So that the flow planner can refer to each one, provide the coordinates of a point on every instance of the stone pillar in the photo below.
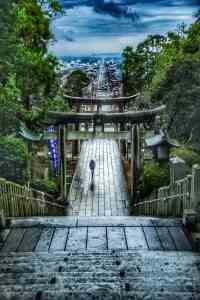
(86, 126)
(123, 142)
(76, 143)
(128, 141)
(122, 128)
(94, 127)
(177, 169)
(103, 127)
(195, 189)
(63, 163)
(116, 126)
(138, 150)
(135, 163)
(76, 146)
(157, 125)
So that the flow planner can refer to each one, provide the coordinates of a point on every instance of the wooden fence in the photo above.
(172, 200)
(21, 201)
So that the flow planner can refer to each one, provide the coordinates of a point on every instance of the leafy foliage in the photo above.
(153, 176)
(138, 65)
(45, 185)
(28, 77)
(75, 83)
(13, 159)
(178, 85)
(25, 34)
(188, 155)
(168, 73)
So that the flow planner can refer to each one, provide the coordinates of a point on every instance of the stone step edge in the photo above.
(106, 253)
(70, 221)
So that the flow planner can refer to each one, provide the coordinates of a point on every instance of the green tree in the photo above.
(176, 83)
(75, 83)
(180, 91)
(138, 65)
(25, 33)
(13, 159)
(152, 177)
(133, 71)
(28, 76)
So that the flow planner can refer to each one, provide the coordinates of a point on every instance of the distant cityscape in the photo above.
(89, 64)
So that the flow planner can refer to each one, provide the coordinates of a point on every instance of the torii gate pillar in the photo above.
(63, 162)
(122, 128)
(135, 162)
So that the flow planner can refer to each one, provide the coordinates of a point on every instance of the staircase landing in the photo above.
(95, 234)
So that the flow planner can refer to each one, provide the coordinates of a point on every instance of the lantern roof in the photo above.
(160, 139)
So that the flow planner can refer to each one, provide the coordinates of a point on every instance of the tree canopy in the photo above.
(28, 77)
(75, 83)
(28, 72)
(165, 69)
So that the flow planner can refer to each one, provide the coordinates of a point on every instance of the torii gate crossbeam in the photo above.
(101, 101)
(136, 117)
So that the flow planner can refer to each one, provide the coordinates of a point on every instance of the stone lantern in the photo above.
(160, 144)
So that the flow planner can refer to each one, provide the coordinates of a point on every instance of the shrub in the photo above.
(13, 159)
(188, 155)
(45, 185)
(153, 176)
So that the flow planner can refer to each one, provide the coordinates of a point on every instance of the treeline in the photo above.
(28, 77)
(166, 69)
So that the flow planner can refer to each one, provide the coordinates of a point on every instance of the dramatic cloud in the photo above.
(96, 26)
(114, 9)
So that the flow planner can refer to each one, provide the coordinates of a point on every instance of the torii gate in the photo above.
(62, 119)
(121, 101)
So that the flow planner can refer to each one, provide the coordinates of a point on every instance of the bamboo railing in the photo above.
(172, 200)
(21, 201)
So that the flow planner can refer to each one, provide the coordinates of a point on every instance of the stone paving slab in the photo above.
(44, 221)
(100, 237)
(109, 197)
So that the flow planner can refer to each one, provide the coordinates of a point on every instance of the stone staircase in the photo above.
(129, 270)
(130, 275)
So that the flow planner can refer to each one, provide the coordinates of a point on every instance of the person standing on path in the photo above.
(92, 167)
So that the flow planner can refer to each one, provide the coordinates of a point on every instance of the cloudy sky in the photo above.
(107, 26)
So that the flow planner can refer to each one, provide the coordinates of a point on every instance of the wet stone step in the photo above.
(94, 294)
(56, 283)
(95, 238)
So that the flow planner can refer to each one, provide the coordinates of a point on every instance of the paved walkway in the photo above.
(109, 197)
(94, 234)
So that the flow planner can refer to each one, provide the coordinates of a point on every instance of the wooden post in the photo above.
(135, 162)
(195, 189)
(63, 163)
(2, 220)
